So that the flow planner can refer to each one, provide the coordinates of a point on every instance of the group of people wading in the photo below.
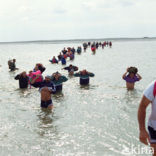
(53, 83)
(50, 84)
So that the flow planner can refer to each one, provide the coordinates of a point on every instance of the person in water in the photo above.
(64, 51)
(110, 44)
(84, 76)
(71, 69)
(58, 79)
(23, 80)
(71, 56)
(12, 65)
(63, 60)
(131, 76)
(148, 98)
(35, 78)
(40, 67)
(54, 60)
(93, 48)
(79, 49)
(85, 45)
(73, 50)
(46, 88)
(59, 57)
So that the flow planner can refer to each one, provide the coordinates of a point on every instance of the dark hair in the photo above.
(133, 70)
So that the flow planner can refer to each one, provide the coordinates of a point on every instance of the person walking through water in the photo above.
(131, 76)
(71, 69)
(57, 79)
(23, 80)
(84, 76)
(46, 88)
(12, 65)
(149, 97)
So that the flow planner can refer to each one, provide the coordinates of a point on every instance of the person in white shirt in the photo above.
(147, 99)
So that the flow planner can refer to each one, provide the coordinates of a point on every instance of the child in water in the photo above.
(131, 76)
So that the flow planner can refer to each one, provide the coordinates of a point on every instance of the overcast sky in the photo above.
(74, 19)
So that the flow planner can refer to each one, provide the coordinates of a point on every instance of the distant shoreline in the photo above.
(80, 40)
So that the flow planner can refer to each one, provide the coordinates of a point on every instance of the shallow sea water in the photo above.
(96, 120)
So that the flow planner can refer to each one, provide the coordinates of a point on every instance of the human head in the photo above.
(24, 74)
(70, 65)
(47, 78)
(56, 75)
(14, 60)
(36, 67)
(84, 72)
(132, 70)
(131, 75)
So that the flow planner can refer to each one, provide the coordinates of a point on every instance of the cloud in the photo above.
(67, 18)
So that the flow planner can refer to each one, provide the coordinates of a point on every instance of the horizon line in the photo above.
(89, 39)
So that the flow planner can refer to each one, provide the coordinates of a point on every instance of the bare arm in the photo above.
(139, 76)
(144, 137)
(124, 75)
(33, 81)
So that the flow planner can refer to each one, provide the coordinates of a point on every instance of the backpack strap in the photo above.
(154, 90)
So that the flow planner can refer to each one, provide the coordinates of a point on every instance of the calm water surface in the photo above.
(96, 120)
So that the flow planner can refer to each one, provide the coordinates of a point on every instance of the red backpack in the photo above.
(154, 90)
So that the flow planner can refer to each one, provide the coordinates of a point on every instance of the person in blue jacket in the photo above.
(63, 61)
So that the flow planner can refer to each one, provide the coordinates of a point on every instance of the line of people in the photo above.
(64, 54)
(53, 83)
(95, 45)
(70, 52)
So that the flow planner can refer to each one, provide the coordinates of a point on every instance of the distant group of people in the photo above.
(64, 54)
(69, 52)
(95, 45)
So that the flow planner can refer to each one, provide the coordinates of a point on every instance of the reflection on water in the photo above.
(85, 87)
(58, 97)
(94, 52)
(45, 121)
(23, 92)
